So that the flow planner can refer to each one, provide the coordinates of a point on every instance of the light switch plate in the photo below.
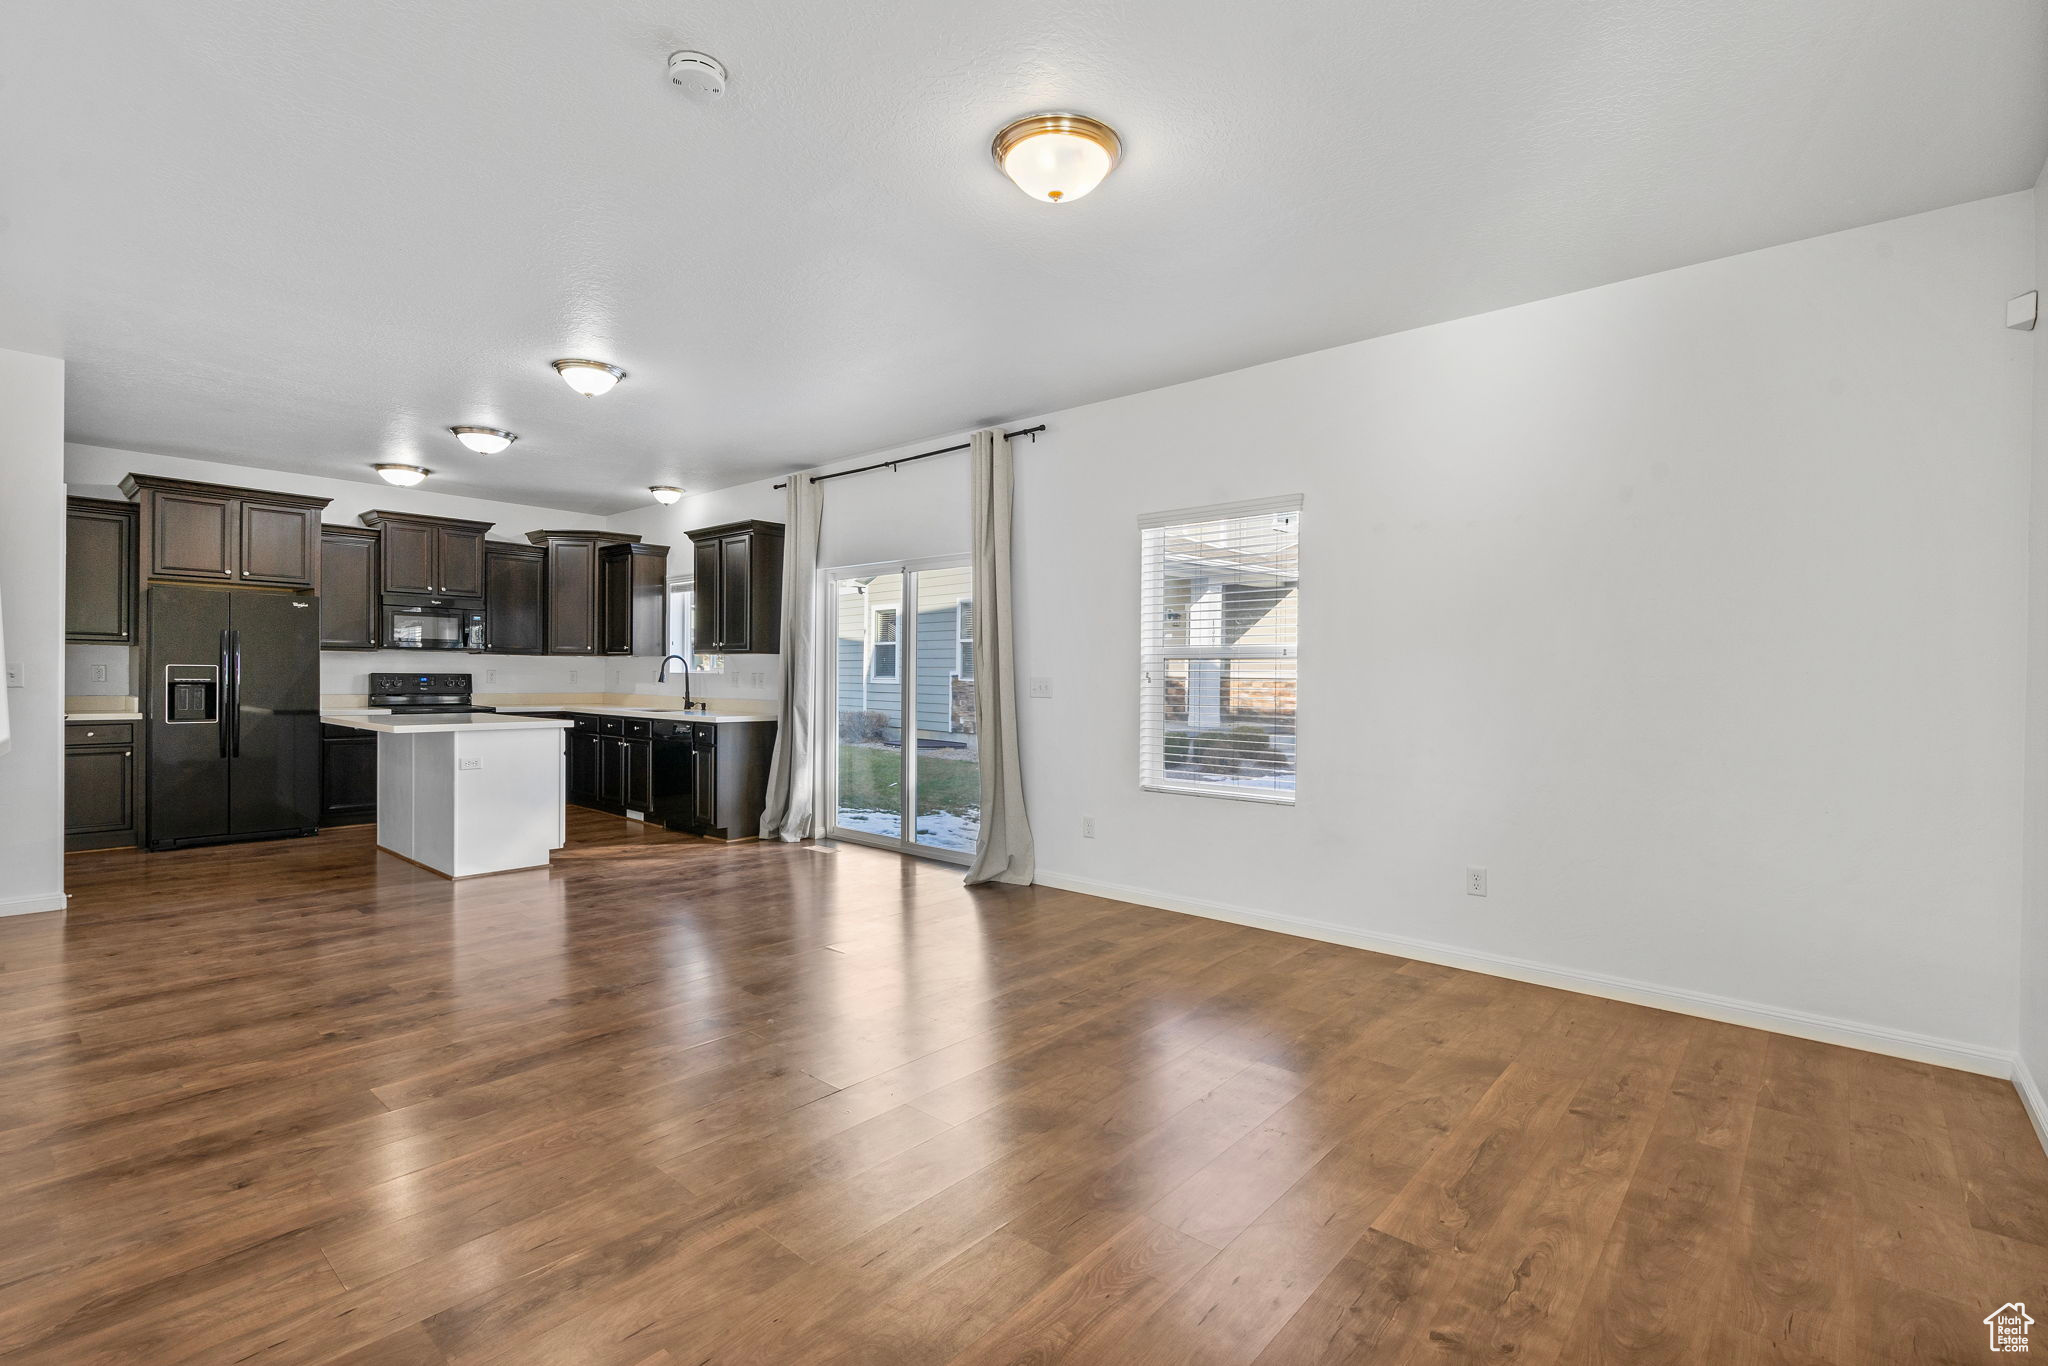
(14, 676)
(1041, 687)
(469, 764)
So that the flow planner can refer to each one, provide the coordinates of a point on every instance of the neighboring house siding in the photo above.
(937, 652)
(936, 659)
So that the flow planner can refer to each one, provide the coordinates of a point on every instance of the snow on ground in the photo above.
(945, 829)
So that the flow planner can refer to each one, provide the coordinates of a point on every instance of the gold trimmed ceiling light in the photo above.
(589, 377)
(1057, 157)
(484, 440)
(665, 493)
(405, 476)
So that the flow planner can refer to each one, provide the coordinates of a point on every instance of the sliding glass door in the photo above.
(900, 668)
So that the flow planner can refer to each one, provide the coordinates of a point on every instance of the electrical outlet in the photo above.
(1087, 827)
(14, 679)
(490, 675)
(573, 674)
(759, 678)
(1475, 882)
(467, 765)
(99, 673)
(1041, 687)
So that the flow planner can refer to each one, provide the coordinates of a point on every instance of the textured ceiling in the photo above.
(309, 237)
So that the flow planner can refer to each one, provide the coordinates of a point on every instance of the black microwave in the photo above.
(437, 626)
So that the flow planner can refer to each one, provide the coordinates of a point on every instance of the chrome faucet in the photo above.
(661, 676)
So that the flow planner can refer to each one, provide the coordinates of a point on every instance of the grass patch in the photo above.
(870, 779)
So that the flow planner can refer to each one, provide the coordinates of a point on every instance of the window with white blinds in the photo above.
(1218, 637)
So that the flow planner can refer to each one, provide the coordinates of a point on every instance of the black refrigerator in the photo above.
(233, 702)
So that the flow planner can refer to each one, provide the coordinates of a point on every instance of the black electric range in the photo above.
(412, 694)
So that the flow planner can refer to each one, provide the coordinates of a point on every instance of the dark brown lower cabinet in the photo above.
(100, 791)
(626, 774)
(585, 744)
(711, 778)
(348, 776)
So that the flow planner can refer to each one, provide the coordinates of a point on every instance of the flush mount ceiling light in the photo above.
(405, 476)
(1057, 157)
(483, 440)
(664, 493)
(589, 377)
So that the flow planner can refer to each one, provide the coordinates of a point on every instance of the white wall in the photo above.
(1692, 607)
(2033, 946)
(32, 616)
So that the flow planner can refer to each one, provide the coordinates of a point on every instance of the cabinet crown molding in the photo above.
(377, 517)
(732, 528)
(113, 505)
(133, 484)
(583, 534)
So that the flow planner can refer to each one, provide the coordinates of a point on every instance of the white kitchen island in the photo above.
(466, 793)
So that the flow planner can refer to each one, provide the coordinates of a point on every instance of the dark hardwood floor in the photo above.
(673, 1103)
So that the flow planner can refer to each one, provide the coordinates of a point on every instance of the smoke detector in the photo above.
(700, 74)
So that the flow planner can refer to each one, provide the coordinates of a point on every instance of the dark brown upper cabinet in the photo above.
(574, 618)
(349, 615)
(217, 533)
(738, 582)
(632, 586)
(515, 598)
(99, 571)
(438, 556)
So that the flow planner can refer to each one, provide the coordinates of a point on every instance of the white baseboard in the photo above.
(2031, 1097)
(1729, 1010)
(29, 905)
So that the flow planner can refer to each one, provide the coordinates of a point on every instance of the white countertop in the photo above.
(424, 723)
(651, 713)
(102, 716)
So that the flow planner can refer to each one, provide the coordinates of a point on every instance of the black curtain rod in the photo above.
(1031, 432)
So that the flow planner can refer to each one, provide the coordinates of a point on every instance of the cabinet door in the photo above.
(408, 557)
(99, 790)
(192, 536)
(615, 601)
(584, 765)
(348, 780)
(735, 590)
(611, 771)
(459, 561)
(572, 598)
(704, 614)
(704, 788)
(348, 594)
(99, 576)
(513, 589)
(279, 545)
(639, 782)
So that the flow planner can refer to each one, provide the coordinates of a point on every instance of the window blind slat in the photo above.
(1219, 634)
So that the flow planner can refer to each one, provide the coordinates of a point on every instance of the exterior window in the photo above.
(885, 643)
(682, 600)
(1218, 637)
(963, 665)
